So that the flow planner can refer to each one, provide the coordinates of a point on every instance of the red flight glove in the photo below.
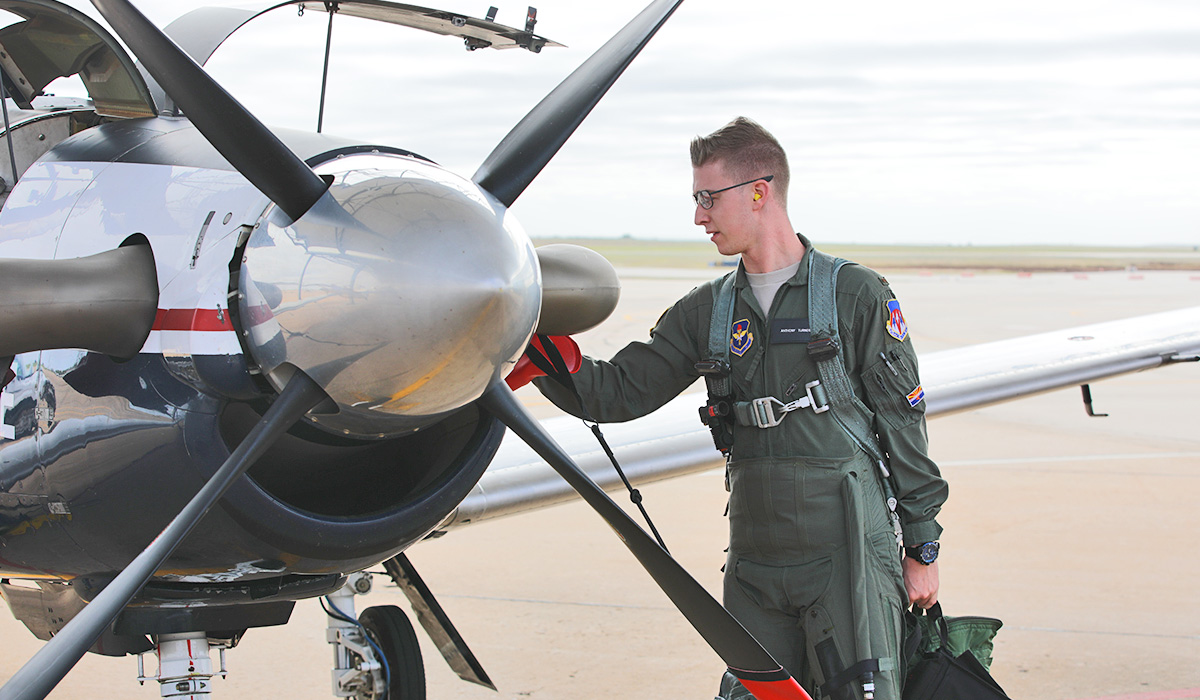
(526, 371)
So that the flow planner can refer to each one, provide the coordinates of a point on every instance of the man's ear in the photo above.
(761, 190)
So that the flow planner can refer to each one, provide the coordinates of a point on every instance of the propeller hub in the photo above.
(404, 293)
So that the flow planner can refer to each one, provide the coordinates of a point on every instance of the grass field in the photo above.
(628, 252)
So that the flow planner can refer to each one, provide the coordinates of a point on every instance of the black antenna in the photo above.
(331, 8)
(491, 13)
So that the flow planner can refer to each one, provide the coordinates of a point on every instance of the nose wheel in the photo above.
(377, 656)
(389, 628)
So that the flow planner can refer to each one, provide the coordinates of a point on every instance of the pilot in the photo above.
(814, 570)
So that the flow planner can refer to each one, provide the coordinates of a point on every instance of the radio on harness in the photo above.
(717, 414)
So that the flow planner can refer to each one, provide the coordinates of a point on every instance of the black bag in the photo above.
(940, 674)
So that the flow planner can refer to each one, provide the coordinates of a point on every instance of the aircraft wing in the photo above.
(671, 441)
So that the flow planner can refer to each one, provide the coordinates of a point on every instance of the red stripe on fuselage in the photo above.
(192, 320)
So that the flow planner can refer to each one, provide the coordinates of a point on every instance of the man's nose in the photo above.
(701, 215)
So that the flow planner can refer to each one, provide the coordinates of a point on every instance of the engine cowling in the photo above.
(404, 295)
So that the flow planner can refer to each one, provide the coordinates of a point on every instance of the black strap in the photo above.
(850, 674)
(935, 612)
(551, 361)
(939, 623)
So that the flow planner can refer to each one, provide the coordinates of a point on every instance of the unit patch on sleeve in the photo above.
(915, 396)
(741, 338)
(896, 327)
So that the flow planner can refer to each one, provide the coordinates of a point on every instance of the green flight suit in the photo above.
(810, 539)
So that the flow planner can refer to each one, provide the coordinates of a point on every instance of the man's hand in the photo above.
(921, 582)
(526, 371)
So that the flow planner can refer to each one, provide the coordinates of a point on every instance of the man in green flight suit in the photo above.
(813, 568)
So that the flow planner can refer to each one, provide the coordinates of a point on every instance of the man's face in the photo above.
(728, 223)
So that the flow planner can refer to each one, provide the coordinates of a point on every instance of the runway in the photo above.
(1075, 531)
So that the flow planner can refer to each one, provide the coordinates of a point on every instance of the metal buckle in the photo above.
(812, 400)
(762, 411)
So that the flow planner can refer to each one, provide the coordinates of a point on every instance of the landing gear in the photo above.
(184, 666)
(389, 627)
(387, 665)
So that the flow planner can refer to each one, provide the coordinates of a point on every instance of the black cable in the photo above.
(551, 361)
(336, 614)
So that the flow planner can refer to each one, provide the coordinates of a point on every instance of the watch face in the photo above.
(928, 552)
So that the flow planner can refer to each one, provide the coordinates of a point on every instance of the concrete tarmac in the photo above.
(1075, 531)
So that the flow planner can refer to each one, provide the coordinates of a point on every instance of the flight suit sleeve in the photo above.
(641, 377)
(892, 390)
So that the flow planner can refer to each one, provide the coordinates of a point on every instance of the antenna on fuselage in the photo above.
(331, 8)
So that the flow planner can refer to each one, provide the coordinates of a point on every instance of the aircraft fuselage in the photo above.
(97, 455)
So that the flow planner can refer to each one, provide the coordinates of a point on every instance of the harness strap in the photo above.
(769, 411)
(722, 319)
(850, 413)
(850, 674)
(716, 414)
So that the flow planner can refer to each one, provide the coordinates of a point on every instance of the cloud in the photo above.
(932, 120)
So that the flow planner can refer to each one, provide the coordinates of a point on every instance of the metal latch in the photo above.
(769, 411)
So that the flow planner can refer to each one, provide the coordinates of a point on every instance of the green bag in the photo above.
(974, 634)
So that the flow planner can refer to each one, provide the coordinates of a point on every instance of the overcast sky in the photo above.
(927, 121)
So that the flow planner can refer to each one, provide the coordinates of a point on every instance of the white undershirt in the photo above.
(766, 284)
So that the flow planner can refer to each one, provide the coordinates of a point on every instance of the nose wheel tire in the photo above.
(389, 627)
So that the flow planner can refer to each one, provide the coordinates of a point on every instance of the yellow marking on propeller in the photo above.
(393, 405)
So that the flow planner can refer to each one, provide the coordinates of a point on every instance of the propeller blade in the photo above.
(758, 671)
(41, 673)
(522, 154)
(249, 146)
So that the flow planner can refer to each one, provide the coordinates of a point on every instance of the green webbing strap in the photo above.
(849, 412)
(717, 374)
(722, 319)
(855, 419)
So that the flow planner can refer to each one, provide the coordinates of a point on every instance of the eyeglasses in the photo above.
(704, 197)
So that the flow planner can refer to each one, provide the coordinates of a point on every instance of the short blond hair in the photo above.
(746, 150)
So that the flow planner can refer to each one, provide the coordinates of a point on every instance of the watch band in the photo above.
(926, 553)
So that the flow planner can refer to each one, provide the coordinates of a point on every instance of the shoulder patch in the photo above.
(896, 326)
(915, 396)
(740, 337)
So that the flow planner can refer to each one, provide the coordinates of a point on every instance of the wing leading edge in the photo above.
(671, 442)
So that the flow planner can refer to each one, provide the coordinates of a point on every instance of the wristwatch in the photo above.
(923, 553)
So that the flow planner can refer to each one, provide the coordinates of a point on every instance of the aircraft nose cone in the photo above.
(404, 293)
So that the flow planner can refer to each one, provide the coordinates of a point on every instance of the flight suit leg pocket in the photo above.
(823, 521)
(736, 585)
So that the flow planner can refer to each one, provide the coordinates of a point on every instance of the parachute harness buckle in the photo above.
(768, 411)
